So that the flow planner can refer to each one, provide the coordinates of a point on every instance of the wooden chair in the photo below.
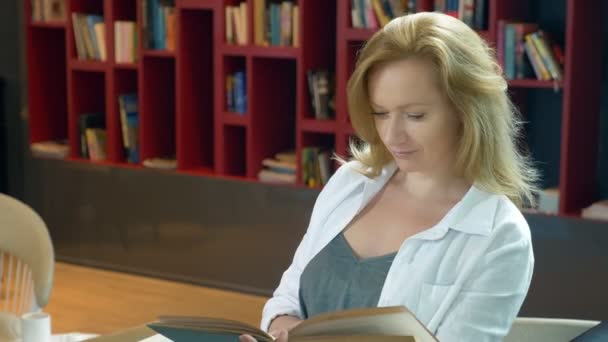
(26, 264)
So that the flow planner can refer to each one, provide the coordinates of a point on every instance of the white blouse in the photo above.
(464, 278)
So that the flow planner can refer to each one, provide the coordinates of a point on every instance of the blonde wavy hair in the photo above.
(469, 75)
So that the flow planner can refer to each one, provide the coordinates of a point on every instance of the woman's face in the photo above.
(413, 117)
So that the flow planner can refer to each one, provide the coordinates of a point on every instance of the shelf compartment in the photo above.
(231, 65)
(272, 109)
(87, 95)
(195, 89)
(234, 153)
(124, 10)
(123, 82)
(157, 108)
(325, 142)
(47, 95)
(95, 7)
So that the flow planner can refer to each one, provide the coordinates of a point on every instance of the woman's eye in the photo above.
(379, 113)
(416, 116)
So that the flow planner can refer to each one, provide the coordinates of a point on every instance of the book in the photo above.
(596, 334)
(272, 176)
(596, 211)
(279, 166)
(395, 323)
(50, 149)
(161, 163)
(548, 201)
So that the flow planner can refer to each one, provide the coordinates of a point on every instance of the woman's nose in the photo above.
(395, 130)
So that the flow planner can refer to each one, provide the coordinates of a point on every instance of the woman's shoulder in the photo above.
(351, 171)
(507, 219)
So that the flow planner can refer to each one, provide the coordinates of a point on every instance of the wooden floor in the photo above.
(96, 301)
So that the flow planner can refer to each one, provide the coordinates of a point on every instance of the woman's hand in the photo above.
(279, 328)
(280, 336)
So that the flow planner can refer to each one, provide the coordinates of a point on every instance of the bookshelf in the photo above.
(182, 93)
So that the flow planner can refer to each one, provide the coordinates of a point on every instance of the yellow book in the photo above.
(259, 8)
(538, 61)
(244, 26)
(100, 35)
(296, 26)
(382, 17)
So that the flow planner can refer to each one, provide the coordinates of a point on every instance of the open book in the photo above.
(383, 324)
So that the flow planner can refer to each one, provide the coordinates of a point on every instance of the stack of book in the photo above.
(129, 121)
(528, 52)
(596, 211)
(316, 166)
(169, 163)
(280, 169)
(321, 90)
(48, 10)
(90, 36)
(158, 24)
(548, 201)
(50, 149)
(276, 23)
(236, 92)
(236, 24)
(372, 14)
(125, 41)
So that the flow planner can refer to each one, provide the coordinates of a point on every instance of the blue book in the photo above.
(276, 24)
(160, 36)
(363, 13)
(240, 92)
(133, 149)
(91, 21)
(509, 51)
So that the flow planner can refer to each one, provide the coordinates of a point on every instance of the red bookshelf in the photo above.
(48, 24)
(235, 119)
(533, 83)
(182, 93)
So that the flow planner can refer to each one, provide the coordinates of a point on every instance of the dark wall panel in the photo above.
(226, 233)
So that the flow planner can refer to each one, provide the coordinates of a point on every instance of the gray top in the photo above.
(336, 279)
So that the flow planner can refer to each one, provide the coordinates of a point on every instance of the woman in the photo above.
(426, 215)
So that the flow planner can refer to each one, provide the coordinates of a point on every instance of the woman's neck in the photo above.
(431, 187)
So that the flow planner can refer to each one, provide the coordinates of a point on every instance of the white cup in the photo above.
(36, 327)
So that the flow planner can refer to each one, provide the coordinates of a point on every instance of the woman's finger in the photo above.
(246, 338)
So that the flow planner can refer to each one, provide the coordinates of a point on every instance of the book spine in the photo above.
(543, 49)
(480, 17)
(509, 51)
(538, 61)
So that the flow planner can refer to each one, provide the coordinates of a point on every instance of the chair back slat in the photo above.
(22, 290)
(8, 281)
(16, 285)
(1, 271)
